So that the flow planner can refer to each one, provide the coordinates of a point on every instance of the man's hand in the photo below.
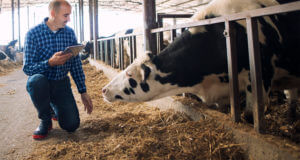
(59, 59)
(87, 102)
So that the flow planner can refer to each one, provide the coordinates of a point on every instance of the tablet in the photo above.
(74, 49)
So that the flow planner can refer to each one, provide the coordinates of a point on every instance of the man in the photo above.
(47, 67)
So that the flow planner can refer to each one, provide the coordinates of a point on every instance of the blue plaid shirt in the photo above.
(41, 43)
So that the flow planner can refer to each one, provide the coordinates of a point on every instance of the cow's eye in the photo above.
(128, 74)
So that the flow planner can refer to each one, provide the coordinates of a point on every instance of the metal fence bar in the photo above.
(149, 16)
(13, 19)
(162, 15)
(256, 75)
(106, 52)
(112, 53)
(230, 34)
(134, 47)
(95, 28)
(98, 54)
(173, 34)
(91, 19)
(101, 50)
(289, 7)
(121, 57)
(131, 49)
(160, 35)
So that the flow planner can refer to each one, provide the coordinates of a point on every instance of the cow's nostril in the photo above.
(104, 90)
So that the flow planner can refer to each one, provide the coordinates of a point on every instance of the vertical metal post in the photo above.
(34, 18)
(230, 34)
(173, 34)
(91, 18)
(160, 35)
(76, 20)
(19, 27)
(106, 51)
(121, 56)
(81, 20)
(13, 18)
(256, 75)
(28, 18)
(134, 47)
(91, 24)
(74, 23)
(112, 53)
(100, 50)
(131, 48)
(95, 28)
(149, 12)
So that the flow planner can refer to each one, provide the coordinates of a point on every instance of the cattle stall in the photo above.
(229, 33)
(107, 49)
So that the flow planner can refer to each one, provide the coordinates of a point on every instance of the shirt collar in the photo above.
(46, 27)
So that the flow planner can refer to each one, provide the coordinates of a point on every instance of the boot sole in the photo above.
(40, 137)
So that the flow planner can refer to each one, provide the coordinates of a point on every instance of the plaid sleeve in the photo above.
(78, 74)
(77, 71)
(31, 64)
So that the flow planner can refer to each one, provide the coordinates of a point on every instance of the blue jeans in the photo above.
(46, 93)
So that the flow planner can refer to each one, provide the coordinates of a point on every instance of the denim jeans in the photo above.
(46, 93)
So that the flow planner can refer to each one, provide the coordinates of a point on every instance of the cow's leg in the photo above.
(248, 112)
(292, 99)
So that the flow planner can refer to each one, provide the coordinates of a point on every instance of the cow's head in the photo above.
(86, 51)
(137, 83)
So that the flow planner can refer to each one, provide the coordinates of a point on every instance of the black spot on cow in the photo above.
(126, 91)
(249, 88)
(160, 79)
(2, 55)
(224, 79)
(286, 1)
(129, 31)
(210, 16)
(131, 90)
(145, 87)
(132, 82)
(147, 71)
(118, 97)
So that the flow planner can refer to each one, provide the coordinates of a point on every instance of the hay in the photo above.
(7, 66)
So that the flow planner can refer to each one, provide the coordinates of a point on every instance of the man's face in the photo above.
(62, 16)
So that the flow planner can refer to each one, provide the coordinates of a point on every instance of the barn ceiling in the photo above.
(162, 6)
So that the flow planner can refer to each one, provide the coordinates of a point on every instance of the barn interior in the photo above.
(277, 139)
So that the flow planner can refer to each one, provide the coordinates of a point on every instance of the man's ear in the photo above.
(52, 13)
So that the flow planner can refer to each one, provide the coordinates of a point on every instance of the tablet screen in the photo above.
(73, 49)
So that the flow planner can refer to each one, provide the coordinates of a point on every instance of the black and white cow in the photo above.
(86, 51)
(10, 50)
(196, 62)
